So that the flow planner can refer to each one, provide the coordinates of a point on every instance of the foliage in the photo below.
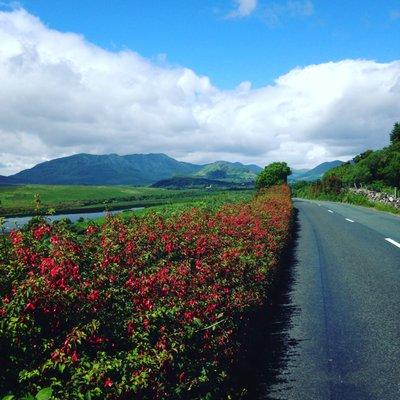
(395, 134)
(273, 174)
(329, 189)
(145, 308)
(362, 156)
(379, 168)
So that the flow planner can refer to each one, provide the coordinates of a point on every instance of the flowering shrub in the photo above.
(139, 309)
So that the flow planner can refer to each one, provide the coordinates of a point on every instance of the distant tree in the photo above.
(395, 134)
(273, 174)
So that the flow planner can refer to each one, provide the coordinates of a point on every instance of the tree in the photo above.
(362, 156)
(273, 174)
(332, 184)
(391, 171)
(395, 134)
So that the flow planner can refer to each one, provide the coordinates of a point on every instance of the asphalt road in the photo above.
(341, 340)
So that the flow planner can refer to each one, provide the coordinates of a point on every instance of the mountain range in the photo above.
(134, 169)
(314, 173)
(145, 169)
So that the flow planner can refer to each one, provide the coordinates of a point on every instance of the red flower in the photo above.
(131, 328)
(30, 306)
(188, 316)
(91, 229)
(54, 239)
(42, 230)
(146, 323)
(181, 377)
(16, 238)
(47, 264)
(169, 247)
(108, 383)
(55, 356)
(74, 357)
(93, 295)
(54, 271)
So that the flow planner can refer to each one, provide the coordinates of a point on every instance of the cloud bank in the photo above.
(61, 95)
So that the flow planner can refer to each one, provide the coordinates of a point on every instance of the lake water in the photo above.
(18, 222)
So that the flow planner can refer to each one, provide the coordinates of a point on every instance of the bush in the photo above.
(147, 308)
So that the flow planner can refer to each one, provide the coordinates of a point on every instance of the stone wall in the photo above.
(378, 196)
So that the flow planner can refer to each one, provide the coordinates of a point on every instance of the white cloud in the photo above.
(243, 8)
(62, 95)
(276, 12)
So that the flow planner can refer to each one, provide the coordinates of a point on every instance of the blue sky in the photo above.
(276, 37)
(256, 81)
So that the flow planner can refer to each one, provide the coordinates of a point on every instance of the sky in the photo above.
(255, 81)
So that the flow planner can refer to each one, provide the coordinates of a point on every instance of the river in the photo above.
(18, 222)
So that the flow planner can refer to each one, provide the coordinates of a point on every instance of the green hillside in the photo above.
(377, 169)
(226, 171)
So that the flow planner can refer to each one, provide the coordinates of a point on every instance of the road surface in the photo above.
(339, 333)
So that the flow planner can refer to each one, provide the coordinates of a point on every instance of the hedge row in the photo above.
(140, 309)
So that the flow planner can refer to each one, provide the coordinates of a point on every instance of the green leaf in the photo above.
(88, 396)
(28, 397)
(44, 394)
(8, 397)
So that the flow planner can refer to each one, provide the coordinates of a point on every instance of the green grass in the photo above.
(19, 200)
(347, 197)
(360, 200)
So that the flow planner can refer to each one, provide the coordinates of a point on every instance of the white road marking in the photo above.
(350, 220)
(330, 211)
(393, 242)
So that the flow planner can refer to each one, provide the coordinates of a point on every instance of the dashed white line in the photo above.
(350, 220)
(393, 242)
(330, 211)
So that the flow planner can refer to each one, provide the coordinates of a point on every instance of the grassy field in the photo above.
(19, 200)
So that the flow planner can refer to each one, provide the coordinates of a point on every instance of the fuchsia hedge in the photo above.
(140, 309)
